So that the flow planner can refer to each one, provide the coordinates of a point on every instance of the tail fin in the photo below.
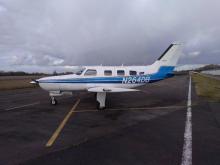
(171, 55)
(166, 63)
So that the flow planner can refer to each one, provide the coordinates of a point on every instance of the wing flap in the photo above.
(110, 89)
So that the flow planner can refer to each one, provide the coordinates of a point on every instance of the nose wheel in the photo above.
(53, 101)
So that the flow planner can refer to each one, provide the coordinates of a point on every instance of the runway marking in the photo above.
(130, 109)
(62, 124)
(27, 105)
(187, 148)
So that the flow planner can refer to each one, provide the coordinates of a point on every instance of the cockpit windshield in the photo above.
(79, 70)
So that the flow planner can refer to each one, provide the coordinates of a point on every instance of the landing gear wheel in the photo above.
(100, 98)
(53, 101)
(98, 106)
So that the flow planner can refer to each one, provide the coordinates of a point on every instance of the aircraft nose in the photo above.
(43, 79)
(40, 80)
(34, 81)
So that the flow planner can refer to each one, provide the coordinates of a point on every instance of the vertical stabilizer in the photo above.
(168, 59)
(171, 55)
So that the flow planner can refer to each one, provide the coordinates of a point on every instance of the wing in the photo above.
(110, 89)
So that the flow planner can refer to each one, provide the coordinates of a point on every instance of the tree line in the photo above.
(21, 73)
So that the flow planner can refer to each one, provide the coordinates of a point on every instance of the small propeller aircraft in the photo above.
(106, 79)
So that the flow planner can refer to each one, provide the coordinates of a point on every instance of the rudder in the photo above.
(171, 55)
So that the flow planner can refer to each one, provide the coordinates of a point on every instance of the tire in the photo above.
(98, 106)
(53, 101)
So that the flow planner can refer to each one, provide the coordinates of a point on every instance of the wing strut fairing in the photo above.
(101, 97)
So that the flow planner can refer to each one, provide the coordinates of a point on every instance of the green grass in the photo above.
(16, 82)
(207, 86)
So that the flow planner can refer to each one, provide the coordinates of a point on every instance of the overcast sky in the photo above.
(36, 35)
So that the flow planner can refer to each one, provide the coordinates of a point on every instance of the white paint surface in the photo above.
(27, 105)
(187, 148)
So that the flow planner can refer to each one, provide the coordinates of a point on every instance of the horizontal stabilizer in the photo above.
(110, 89)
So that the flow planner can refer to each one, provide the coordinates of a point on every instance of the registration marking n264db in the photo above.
(134, 79)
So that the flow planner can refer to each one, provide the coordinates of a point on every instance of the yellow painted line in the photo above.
(62, 124)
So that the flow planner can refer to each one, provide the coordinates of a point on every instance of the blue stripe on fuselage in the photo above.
(164, 72)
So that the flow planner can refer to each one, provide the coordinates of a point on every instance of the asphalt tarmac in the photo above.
(146, 127)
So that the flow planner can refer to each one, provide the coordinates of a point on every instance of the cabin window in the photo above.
(90, 72)
(107, 72)
(132, 73)
(141, 73)
(120, 72)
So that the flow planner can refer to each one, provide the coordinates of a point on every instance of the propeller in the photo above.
(34, 81)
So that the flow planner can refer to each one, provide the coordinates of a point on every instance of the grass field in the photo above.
(16, 82)
(207, 86)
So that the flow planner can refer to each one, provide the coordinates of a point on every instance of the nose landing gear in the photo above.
(53, 101)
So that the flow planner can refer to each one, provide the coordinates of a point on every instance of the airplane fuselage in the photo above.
(75, 82)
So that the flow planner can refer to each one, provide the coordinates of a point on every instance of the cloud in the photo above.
(84, 32)
(194, 54)
(2, 8)
(216, 51)
(53, 60)
(191, 55)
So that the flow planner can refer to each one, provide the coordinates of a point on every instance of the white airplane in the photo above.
(106, 79)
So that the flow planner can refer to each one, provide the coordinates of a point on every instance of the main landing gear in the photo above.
(100, 98)
(53, 101)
